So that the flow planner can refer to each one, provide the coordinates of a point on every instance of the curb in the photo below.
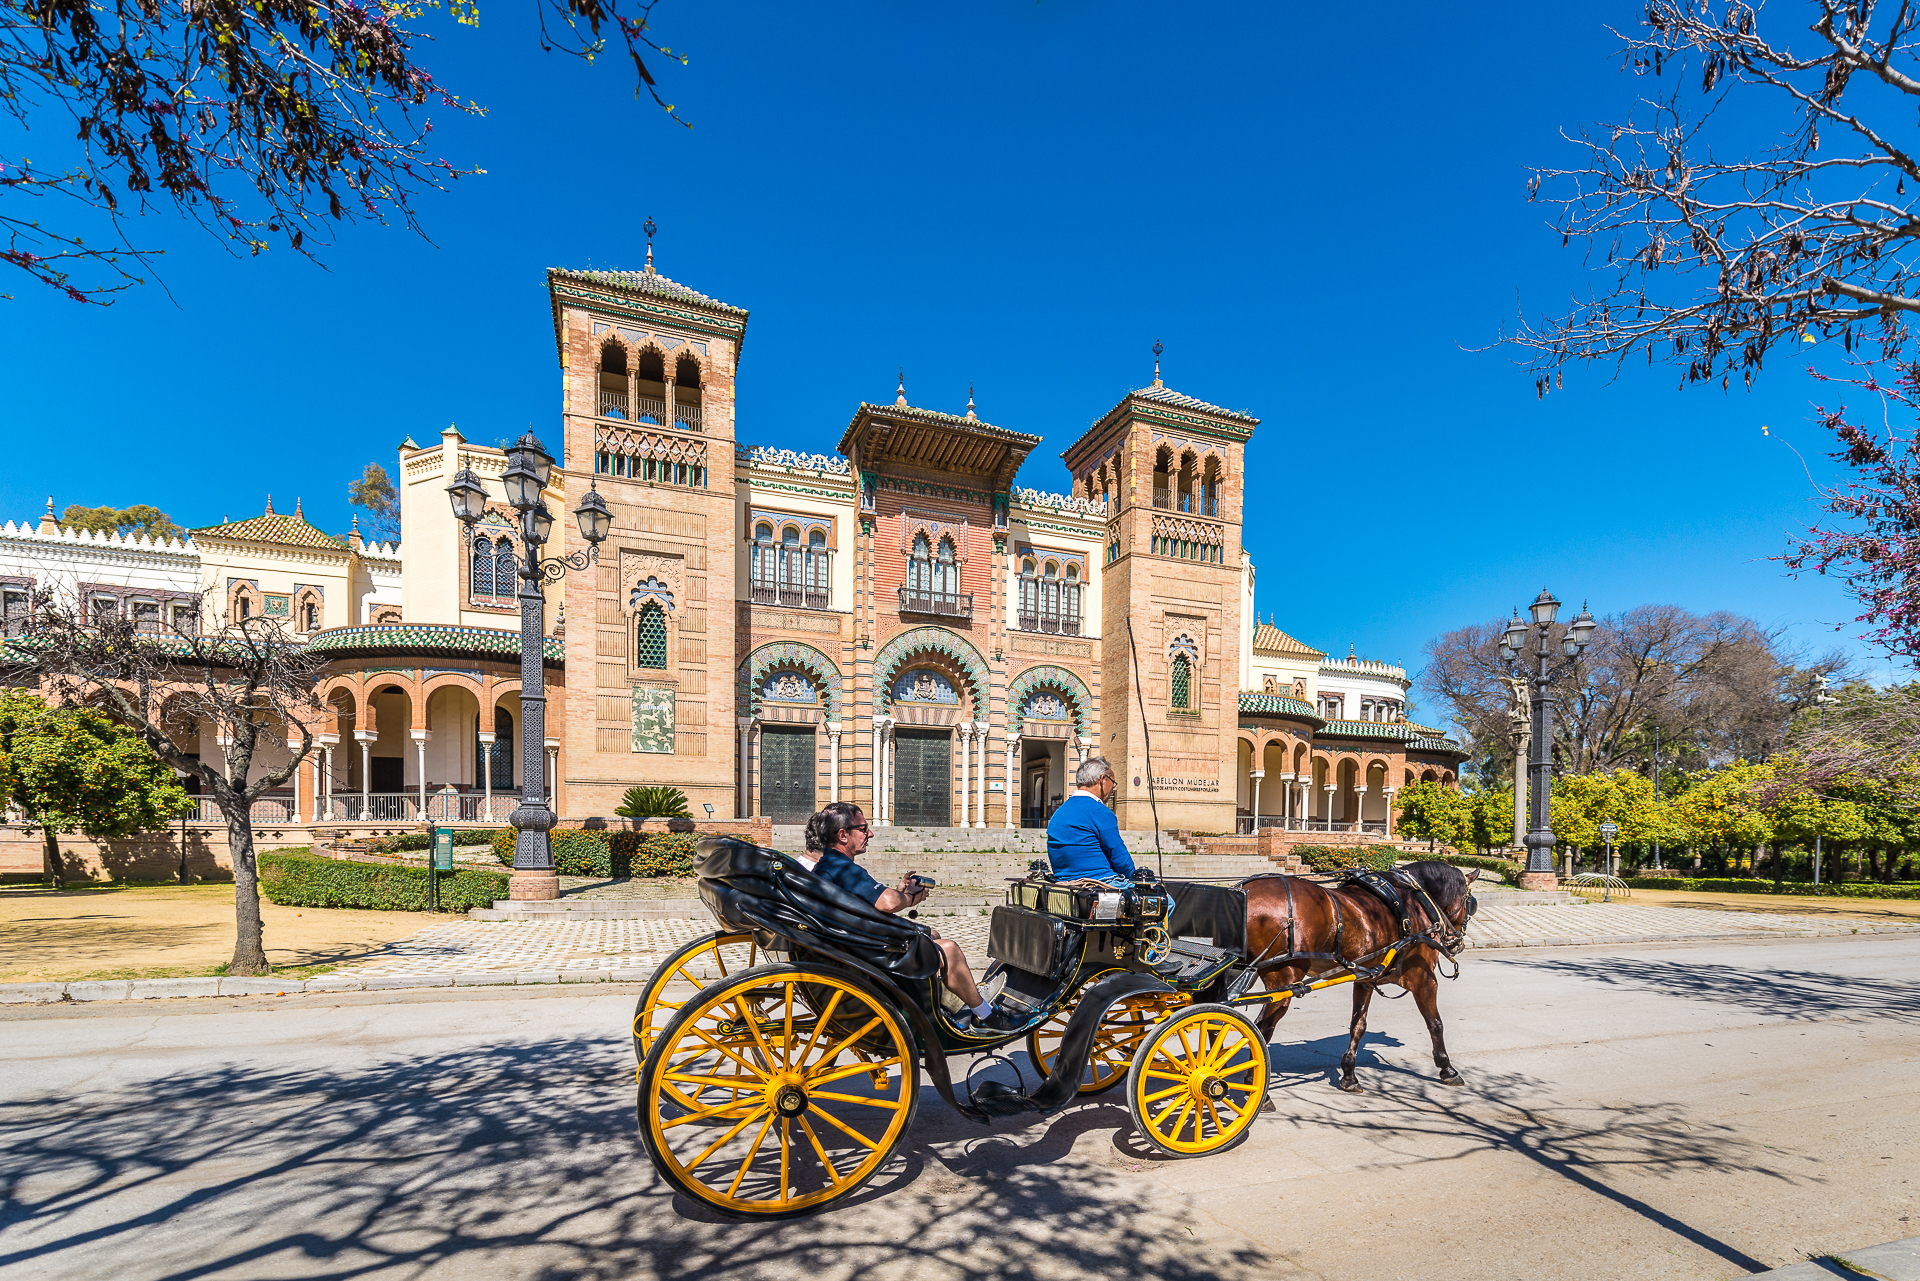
(156, 989)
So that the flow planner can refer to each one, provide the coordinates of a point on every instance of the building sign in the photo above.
(924, 686)
(1187, 784)
(652, 719)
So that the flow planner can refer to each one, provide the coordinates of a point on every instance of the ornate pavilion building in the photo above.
(901, 624)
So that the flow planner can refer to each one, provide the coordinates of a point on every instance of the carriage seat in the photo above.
(749, 887)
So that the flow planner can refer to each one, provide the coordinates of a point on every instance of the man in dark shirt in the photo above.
(838, 834)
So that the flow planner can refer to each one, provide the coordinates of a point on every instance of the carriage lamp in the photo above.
(1580, 631)
(523, 479)
(595, 520)
(468, 496)
(529, 448)
(1516, 636)
(1544, 608)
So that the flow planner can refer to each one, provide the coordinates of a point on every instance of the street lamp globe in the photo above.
(529, 448)
(1516, 633)
(539, 524)
(468, 496)
(1581, 629)
(595, 520)
(522, 482)
(1544, 608)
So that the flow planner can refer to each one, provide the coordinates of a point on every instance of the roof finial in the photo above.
(269, 504)
(49, 524)
(1157, 349)
(970, 412)
(900, 395)
(649, 228)
(297, 513)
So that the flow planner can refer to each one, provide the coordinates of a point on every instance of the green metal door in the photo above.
(787, 774)
(922, 778)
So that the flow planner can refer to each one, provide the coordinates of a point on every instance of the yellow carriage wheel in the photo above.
(1114, 1043)
(1199, 1079)
(715, 956)
(778, 1090)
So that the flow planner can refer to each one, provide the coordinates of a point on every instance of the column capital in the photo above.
(365, 735)
(421, 735)
(489, 737)
(326, 740)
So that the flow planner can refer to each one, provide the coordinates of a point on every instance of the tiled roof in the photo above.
(1369, 729)
(428, 638)
(649, 282)
(1271, 640)
(935, 417)
(1168, 396)
(1436, 743)
(1253, 704)
(273, 527)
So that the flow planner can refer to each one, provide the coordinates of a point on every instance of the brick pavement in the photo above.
(577, 947)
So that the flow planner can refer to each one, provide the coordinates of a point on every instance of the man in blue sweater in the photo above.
(1083, 837)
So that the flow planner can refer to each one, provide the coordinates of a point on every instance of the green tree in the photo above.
(375, 492)
(74, 770)
(1431, 811)
(142, 519)
(1492, 817)
(1725, 807)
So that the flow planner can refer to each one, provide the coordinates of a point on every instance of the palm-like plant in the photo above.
(653, 802)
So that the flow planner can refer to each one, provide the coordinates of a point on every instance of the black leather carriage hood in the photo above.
(746, 886)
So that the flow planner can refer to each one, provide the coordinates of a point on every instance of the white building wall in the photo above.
(59, 558)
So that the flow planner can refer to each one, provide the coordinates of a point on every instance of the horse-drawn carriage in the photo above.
(780, 1057)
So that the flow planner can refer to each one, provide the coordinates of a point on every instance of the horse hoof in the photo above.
(1353, 1087)
(1450, 1077)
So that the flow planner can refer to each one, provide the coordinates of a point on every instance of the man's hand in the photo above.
(911, 890)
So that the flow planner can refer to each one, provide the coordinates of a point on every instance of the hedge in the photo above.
(424, 840)
(1759, 885)
(1498, 866)
(577, 852)
(1329, 859)
(293, 880)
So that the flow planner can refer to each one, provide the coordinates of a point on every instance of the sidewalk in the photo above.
(466, 953)
(1894, 1261)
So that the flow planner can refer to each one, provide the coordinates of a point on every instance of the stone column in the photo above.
(1360, 807)
(745, 724)
(365, 738)
(323, 799)
(964, 732)
(1254, 776)
(1388, 793)
(304, 769)
(420, 737)
(486, 776)
(833, 760)
(1331, 789)
(553, 774)
(874, 800)
(980, 786)
(1013, 755)
(886, 745)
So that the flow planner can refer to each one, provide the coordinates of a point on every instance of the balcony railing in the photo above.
(649, 409)
(404, 807)
(268, 809)
(1375, 826)
(798, 597)
(1162, 497)
(1050, 623)
(948, 604)
(687, 416)
(613, 404)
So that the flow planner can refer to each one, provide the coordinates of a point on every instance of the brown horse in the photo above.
(1289, 917)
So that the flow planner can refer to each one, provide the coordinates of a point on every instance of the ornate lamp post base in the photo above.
(536, 885)
(1528, 881)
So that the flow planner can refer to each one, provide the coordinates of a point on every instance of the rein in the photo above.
(1448, 944)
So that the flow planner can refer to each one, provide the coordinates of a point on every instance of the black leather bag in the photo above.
(1030, 941)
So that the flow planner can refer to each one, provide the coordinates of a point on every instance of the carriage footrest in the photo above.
(997, 1098)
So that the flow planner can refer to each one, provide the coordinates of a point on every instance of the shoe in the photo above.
(991, 989)
(1002, 1019)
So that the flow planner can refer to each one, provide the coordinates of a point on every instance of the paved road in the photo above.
(1696, 1111)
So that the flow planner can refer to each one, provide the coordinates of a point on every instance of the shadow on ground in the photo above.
(1792, 994)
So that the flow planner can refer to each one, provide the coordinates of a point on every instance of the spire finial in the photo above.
(49, 523)
(297, 513)
(269, 504)
(970, 412)
(900, 394)
(649, 228)
(1157, 349)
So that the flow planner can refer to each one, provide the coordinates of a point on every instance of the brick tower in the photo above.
(647, 374)
(1170, 470)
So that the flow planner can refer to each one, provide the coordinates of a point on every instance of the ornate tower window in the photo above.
(650, 389)
(946, 574)
(1181, 696)
(686, 393)
(613, 380)
(650, 637)
(483, 566)
(920, 566)
(817, 592)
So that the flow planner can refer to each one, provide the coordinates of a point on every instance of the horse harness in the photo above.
(1387, 887)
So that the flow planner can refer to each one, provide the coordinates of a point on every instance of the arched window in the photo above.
(309, 615)
(686, 393)
(792, 568)
(946, 574)
(1029, 595)
(506, 574)
(483, 566)
(1050, 597)
(817, 569)
(650, 637)
(650, 388)
(764, 574)
(1181, 693)
(613, 380)
(920, 566)
(1070, 614)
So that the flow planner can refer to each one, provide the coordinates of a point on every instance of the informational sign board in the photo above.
(1609, 830)
(443, 849)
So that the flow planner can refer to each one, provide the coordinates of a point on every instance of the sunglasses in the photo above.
(861, 827)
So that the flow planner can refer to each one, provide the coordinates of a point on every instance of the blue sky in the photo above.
(1320, 217)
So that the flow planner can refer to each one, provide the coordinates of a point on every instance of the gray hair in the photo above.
(1091, 771)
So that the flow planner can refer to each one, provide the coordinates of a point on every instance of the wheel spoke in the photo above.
(838, 1124)
(1157, 1095)
(1218, 1128)
(854, 1069)
(751, 1153)
(1154, 1120)
(1168, 1076)
(1179, 1121)
(833, 1171)
(854, 1098)
(786, 1043)
(719, 957)
(743, 1123)
(753, 1026)
(828, 1055)
(785, 1146)
(821, 1023)
(758, 1073)
(704, 1113)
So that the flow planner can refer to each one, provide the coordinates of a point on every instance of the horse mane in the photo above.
(1444, 882)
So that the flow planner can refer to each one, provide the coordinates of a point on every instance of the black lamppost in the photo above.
(1540, 670)
(528, 468)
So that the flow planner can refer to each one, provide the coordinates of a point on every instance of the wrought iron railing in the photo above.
(1162, 497)
(613, 404)
(405, 807)
(949, 604)
(687, 416)
(650, 409)
(1049, 623)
